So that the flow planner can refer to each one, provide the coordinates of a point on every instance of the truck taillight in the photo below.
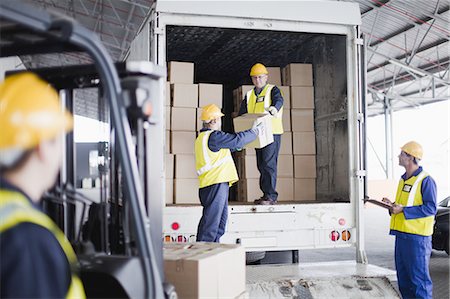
(180, 238)
(175, 226)
(346, 235)
(334, 236)
(341, 221)
(167, 238)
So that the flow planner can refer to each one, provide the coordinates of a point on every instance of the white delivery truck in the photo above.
(224, 39)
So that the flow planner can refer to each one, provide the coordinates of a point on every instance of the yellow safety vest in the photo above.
(15, 209)
(213, 167)
(261, 103)
(409, 194)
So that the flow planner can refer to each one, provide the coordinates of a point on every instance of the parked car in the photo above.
(441, 226)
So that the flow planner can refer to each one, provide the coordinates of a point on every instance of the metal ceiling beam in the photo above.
(375, 7)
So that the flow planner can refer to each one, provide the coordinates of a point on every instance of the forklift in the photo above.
(117, 236)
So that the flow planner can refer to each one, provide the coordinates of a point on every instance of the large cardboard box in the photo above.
(169, 166)
(286, 93)
(274, 75)
(169, 191)
(183, 119)
(185, 167)
(287, 120)
(246, 121)
(297, 74)
(285, 189)
(184, 95)
(168, 95)
(305, 166)
(304, 189)
(285, 166)
(250, 170)
(302, 120)
(168, 118)
(205, 270)
(304, 143)
(186, 191)
(168, 144)
(302, 97)
(210, 94)
(239, 94)
(286, 143)
(180, 72)
(182, 142)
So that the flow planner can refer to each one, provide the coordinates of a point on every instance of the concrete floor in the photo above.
(379, 250)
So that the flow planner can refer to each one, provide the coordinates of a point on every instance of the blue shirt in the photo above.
(427, 208)
(233, 141)
(275, 96)
(32, 262)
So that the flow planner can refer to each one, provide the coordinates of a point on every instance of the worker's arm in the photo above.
(243, 108)
(218, 139)
(428, 207)
(277, 98)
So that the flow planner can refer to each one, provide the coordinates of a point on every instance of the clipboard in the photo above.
(379, 203)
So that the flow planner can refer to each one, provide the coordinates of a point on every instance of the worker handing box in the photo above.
(248, 121)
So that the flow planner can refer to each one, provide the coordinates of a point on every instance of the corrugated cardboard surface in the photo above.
(302, 120)
(239, 94)
(169, 166)
(297, 74)
(168, 94)
(210, 94)
(180, 72)
(305, 166)
(182, 142)
(286, 93)
(274, 75)
(285, 189)
(287, 120)
(302, 97)
(304, 189)
(168, 113)
(183, 119)
(304, 143)
(186, 191)
(205, 270)
(285, 166)
(168, 144)
(246, 121)
(185, 167)
(286, 144)
(250, 168)
(184, 95)
(169, 191)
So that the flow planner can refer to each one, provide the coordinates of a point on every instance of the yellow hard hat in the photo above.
(30, 112)
(258, 69)
(210, 112)
(414, 149)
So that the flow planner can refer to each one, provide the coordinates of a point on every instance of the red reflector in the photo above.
(175, 226)
(180, 239)
(342, 221)
(346, 235)
(334, 236)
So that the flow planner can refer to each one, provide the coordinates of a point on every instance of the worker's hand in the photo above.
(273, 111)
(259, 129)
(397, 209)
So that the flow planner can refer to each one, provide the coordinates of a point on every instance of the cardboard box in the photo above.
(185, 167)
(304, 189)
(285, 166)
(285, 189)
(180, 72)
(246, 121)
(183, 119)
(274, 75)
(287, 120)
(182, 142)
(184, 95)
(169, 159)
(186, 191)
(168, 94)
(286, 143)
(304, 143)
(167, 116)
(286, 94)
(305, 166)
(169, 191)
(297, 74)
(239, 94)
(205, 270)
(168, 145)
(210, 94)
(302, 120)
(250, 170)
(302, 97)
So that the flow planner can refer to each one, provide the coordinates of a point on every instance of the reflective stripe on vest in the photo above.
(256, 106)
(213, 167)
(409, 194)
(16, 209)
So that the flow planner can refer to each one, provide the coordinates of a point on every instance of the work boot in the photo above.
(264, 201)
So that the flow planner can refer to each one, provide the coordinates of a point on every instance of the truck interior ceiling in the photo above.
(225, 56)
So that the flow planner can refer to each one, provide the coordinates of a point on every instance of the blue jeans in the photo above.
(267, 160)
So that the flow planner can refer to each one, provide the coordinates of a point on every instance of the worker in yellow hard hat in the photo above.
(266, 98)
(36, 259)
(216, 170)
(412, 220)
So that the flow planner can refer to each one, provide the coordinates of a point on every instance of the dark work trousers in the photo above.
(214, 200)
(267, 160)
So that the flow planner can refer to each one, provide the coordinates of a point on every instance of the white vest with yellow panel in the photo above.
(409, 194)
(259, 104)
(213, 167)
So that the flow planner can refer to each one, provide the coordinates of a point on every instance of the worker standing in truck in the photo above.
(412, 220)
(216, 170)
(36, 259)
(266, 98)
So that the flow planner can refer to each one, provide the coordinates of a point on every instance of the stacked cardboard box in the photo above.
(296, 162)
(183, 100)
